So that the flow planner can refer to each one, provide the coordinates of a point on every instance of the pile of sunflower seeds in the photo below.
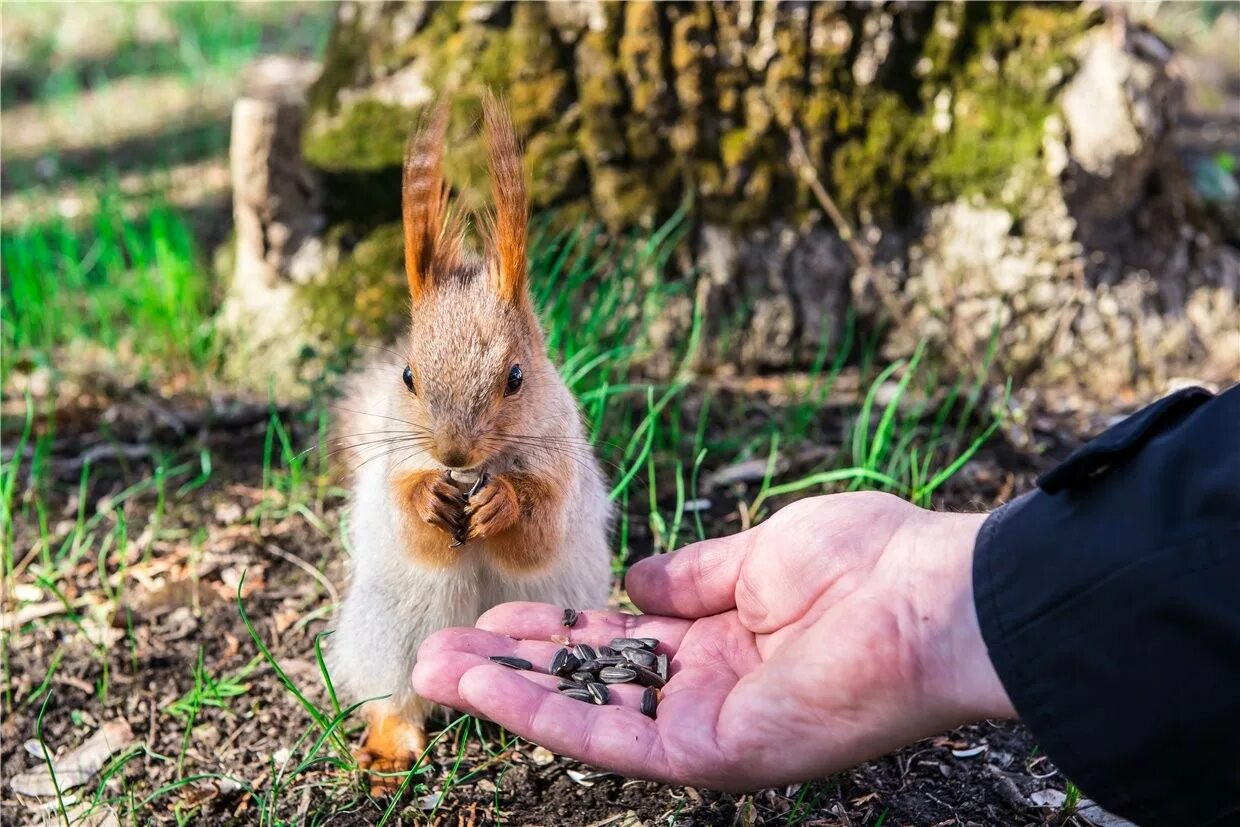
(585, 673)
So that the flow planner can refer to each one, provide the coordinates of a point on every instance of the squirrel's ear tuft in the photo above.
(506, 227)
(432, 236)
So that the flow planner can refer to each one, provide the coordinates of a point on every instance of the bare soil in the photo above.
(181, 604)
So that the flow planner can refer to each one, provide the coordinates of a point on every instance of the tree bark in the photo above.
(1008, 168)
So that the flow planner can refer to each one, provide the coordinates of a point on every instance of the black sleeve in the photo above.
(1109, 599)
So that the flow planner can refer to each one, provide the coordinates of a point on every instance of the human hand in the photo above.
(840, 629)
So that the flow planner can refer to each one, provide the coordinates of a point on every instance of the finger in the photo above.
(450, 499)
(697, 581)
(485, 511)
(484, 496)
(438, 521)
(486, 644)
(618, 694)
(617, 737)
(540, 621)
(449, 653)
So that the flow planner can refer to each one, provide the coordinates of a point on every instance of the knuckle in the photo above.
(751, 602)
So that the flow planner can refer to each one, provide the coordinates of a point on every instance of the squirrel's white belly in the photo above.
(393, 603)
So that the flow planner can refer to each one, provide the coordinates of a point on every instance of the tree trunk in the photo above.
(1007, 167)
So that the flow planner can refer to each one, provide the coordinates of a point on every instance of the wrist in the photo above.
(959, 681)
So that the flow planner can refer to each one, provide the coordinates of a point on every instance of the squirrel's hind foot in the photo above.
(392, 746)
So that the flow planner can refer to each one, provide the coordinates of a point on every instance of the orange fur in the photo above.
(507, 223)
(421, 493)
(514, 530)
(493, 510)
(393, 743)
(533, 504)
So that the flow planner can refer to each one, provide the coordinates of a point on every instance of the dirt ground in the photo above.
(184, 606)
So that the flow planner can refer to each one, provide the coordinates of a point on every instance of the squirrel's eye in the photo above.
(514, 380)
(408, 377)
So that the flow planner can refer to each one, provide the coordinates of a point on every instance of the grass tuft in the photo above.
(126, 285)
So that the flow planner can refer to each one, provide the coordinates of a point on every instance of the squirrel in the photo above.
(474, 483)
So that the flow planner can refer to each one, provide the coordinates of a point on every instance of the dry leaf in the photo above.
(625, 819)
(1048, 798)
(77, 766)
(12, 621)
(285, 618)
(586, 779)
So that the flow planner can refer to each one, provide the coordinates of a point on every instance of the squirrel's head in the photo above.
(476, 368)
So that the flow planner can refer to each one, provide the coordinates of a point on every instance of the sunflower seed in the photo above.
(647, 677)
(617, 674)
(514, 663)
(570, 618)
(564, 663)
(602, 663)
(662, 667)
(478, 483)
(607, 651)
(584, 652)
(598, 692)
(622, 643)
(577, 694)
(641, 657)
(650, 700)
(582, 677)
(567, 684)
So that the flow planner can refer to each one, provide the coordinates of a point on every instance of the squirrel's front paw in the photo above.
(492, 508)
(438, 502)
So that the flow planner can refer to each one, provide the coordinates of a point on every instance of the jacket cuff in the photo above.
(1109, 610)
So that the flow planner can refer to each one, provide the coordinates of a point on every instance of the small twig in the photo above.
(805, 169)
(307, 568)
(12, 621)
(862, 254)
(164, 414)
(105, 451)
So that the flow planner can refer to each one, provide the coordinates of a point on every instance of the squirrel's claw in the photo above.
(494, 508)
(438, 503)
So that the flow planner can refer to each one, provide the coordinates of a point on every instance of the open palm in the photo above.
(838, 630)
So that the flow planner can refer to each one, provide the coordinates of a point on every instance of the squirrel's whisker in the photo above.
(378, 416)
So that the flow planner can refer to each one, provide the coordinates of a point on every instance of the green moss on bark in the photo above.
(626, 107)
(652, 100)
(364, 136)
(365, 295)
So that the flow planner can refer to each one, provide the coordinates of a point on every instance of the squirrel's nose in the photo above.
(454, 457)
(451, 450)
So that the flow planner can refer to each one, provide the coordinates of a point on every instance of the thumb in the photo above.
(697, 581)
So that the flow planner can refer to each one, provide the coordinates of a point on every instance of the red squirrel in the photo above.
(474, 483)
